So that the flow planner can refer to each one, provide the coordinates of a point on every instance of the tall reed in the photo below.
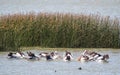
(59, 30)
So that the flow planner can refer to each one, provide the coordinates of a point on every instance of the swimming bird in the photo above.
(79, 68)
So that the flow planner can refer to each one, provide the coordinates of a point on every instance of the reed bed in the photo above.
(58, 30)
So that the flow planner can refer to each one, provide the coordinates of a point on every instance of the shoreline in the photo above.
(60, 49)
(63, 49)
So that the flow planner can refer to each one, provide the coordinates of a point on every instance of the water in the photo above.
(102, 7)
(59, 67)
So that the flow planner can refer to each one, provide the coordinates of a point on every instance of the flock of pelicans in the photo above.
(84, 57)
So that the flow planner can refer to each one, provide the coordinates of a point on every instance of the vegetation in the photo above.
(58, 30)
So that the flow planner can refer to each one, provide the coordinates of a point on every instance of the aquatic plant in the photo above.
(58, 30)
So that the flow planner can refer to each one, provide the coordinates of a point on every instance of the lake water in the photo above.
(60, 67)
(102, 7)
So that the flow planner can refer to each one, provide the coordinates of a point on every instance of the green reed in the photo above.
(58, 30)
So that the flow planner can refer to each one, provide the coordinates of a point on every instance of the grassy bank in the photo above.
(58, 30)
(64, 49)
